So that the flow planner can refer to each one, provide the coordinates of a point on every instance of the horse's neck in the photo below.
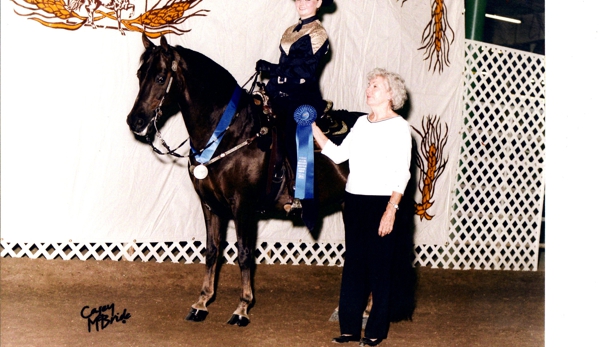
(209, 88)
(200, 123)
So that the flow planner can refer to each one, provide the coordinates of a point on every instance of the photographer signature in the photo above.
(103, 316)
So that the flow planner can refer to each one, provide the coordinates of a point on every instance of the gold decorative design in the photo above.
(318, 36)
(436, 43)
(430, 162)
(162, 18)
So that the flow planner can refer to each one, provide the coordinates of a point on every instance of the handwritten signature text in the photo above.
(101, 317)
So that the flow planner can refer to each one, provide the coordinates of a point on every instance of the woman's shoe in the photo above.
(346, 339)
(370, 342)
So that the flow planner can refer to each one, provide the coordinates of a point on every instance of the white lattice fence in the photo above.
(499, 188)
(274, 252)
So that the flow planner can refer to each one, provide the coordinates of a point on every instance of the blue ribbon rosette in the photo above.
(304, 116)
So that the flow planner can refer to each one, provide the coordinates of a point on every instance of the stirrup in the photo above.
(295, 205)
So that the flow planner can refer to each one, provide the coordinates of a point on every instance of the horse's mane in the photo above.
(195, 57)
(211, 84)
(200, 65)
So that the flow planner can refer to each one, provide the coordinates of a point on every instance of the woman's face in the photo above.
(377, 92)
(307, 8)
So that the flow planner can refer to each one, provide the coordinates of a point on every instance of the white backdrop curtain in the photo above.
(71, 169)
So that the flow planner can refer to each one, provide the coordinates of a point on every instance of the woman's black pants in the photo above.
(368, 266)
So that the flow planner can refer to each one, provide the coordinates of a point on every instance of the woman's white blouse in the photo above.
(379, 155)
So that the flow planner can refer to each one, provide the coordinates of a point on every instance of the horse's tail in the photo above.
(74, 5)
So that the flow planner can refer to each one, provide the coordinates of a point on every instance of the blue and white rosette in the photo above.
(304, 116)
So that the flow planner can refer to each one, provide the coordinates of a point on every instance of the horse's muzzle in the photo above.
(138, 125)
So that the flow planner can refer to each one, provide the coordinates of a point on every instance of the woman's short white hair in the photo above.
(396, 85)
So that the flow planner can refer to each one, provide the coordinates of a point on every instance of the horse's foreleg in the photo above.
(118, 21)
(91, 8)
(246, 227)
(214, 225)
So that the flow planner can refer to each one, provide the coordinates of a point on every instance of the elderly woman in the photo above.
(378, 149)
(294, 80)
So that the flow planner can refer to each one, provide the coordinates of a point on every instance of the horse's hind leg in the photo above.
(214, 225)
(246, 227)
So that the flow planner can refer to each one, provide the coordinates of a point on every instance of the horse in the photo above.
(238, 174)
(92, 5)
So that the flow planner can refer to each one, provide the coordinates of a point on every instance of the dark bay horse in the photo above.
(233, 187)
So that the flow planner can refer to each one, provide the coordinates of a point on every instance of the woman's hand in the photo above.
(387, 221)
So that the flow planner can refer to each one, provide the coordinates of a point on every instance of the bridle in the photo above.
(158, 114)
(172, 151)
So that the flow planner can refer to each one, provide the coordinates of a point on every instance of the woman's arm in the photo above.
(388, 219)
(338, 154)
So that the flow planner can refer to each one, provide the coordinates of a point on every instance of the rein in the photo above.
(158, 114)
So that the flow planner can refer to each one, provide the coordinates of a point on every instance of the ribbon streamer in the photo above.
(222, 126)
(304, 115)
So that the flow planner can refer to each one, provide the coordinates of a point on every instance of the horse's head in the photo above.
(157, 75)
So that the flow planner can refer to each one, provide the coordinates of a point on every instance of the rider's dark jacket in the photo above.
(295, 77)
(293, 83)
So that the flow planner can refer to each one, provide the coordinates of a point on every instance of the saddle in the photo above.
(335, 124)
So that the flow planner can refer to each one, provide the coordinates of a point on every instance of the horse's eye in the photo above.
(160, 79)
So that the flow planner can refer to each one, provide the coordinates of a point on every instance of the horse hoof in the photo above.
(196, 315)
(238, 320)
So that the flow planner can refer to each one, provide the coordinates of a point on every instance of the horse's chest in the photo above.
(213, 188)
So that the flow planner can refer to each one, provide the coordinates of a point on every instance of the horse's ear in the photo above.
(146, 41)
(163, 42)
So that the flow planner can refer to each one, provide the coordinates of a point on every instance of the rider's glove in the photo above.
(263, 65)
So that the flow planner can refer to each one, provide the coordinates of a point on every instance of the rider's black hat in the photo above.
(326, 3)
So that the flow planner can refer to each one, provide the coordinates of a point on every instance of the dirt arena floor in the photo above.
(42, 302)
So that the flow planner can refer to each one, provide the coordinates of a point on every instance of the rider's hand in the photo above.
(263, 65)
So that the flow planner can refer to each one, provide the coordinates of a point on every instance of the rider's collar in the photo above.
(304, 21)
